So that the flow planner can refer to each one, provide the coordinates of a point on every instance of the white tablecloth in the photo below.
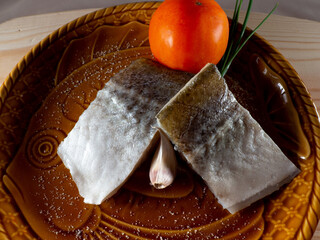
(307, 9)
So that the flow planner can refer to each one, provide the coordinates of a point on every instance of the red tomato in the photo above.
(187, 34)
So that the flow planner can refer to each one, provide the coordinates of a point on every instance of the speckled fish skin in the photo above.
(223, 143)
(111, 137)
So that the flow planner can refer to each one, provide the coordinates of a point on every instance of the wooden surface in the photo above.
(298, 40)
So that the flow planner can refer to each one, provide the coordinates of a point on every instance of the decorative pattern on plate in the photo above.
(35, 116)
(300, 200)
(293, 212)
(28, 85)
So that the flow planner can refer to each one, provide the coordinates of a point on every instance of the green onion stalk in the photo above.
(236, 44)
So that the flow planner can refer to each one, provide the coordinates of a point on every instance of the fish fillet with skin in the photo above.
(112, 135)
(238, 161)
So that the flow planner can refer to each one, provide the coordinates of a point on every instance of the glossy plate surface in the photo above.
(44, 95)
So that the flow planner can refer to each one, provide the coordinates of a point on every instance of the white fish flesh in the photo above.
(238, 161)
(113, 134)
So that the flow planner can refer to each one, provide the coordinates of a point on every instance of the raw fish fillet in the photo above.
(112, 136)
(238, 161)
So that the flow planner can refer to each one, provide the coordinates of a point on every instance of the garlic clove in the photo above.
(164, 164)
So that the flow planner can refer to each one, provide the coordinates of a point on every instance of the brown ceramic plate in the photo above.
(44, 95)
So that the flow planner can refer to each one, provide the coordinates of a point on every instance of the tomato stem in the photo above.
(235, 45)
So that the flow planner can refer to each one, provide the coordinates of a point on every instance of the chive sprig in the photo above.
(235, 43)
